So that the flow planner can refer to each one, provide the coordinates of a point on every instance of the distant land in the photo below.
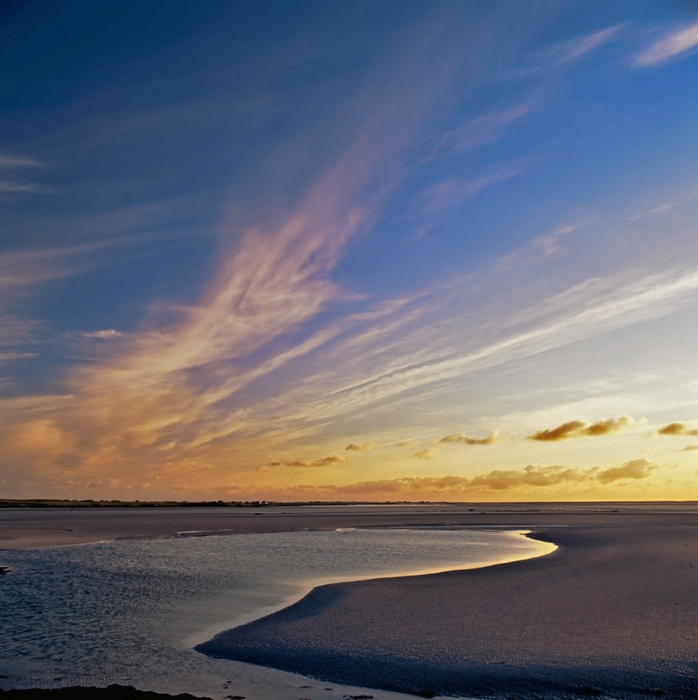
(89, 503)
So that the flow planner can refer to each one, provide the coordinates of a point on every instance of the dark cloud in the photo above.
(491, 439)
(365, 447)
(677, 429)
(324, 462)
(577, 429)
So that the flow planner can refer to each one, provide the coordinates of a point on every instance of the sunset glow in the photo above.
(349, 251)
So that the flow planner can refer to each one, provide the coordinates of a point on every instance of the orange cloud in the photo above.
(690, 448)
(576, 429)
(635, 469)
(324, 462)
(497, 480)
(429, 453)
(365, 447)
(491, 439)
(677, 429)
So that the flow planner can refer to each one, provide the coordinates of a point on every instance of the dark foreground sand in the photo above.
(614, 611)
(113, 692)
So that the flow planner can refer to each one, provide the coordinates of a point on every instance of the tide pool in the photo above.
(130, 611)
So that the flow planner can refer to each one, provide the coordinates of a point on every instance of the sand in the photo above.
(113, 692)
(46, 527)
(613, 611)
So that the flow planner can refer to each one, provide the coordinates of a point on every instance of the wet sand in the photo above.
(113, 692)
(613, 611)
(46, 527)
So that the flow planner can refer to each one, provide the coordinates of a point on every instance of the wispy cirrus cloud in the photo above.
(677, 43)
(583, 311)
(578, 429)
(481, 130)
(576, 48)
(279, 347)
(7, 187)
(173, 385)
(453, 192)
(101, 334)
(558, 57)
(13, 161)
(18, 331)
(27, 268)
(550, 243)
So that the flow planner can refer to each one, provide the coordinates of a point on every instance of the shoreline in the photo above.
(203, 637)
(31, 528)
(584, 621)
(80, 692)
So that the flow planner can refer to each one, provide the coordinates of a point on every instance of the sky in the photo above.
(373, 250)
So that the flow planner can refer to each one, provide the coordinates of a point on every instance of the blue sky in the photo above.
(284, 250)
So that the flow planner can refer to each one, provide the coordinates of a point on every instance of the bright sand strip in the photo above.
(613, 610)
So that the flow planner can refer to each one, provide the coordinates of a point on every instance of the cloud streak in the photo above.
(481, 130)
(11, 161)
(172, 387)
(579, 47)
(675, 44)
(564, 320)
(451, 193)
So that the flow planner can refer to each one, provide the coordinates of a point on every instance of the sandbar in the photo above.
(613, 612)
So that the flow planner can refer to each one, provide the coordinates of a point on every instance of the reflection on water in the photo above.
(129, 611)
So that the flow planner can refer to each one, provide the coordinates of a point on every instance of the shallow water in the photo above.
(130, 611)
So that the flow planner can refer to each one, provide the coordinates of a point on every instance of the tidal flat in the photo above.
(612, 611)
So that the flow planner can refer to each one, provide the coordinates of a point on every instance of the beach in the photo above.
(613, 611)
